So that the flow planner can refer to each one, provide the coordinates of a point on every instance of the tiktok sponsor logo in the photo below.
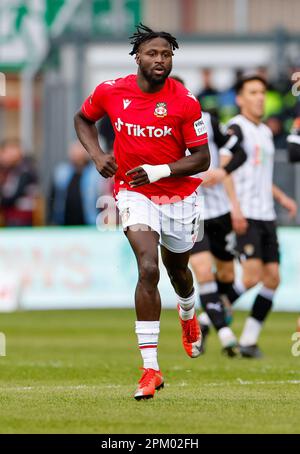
(142, 131)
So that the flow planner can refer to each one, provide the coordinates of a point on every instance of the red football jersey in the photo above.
(150, 128)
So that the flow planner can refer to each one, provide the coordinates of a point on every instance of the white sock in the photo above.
(251, 332)
(204, 319)
(147, 334)
(267, 293)
(187, 306)
(226, 336)
(208, 287)
(239, 287)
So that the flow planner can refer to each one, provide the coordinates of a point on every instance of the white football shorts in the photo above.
(178, 224)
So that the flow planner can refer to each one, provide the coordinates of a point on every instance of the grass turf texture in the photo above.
(76, 371)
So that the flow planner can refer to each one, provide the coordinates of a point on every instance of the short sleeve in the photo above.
(194, 129)
(235, 129)
(93, 107)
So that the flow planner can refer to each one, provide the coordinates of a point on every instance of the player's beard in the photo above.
(152, 79)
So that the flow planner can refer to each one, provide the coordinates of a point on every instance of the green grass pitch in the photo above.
(76, 371)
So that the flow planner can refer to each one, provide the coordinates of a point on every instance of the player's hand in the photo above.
(139, 177)
(213, 176)
(239, 222)
(107, 166)
(290, 205)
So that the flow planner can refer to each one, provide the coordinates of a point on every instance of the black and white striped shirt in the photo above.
(216, 202)
(254, 179)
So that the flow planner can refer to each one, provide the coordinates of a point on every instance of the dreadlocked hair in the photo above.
(144, 33)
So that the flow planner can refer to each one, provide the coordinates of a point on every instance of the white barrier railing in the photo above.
(75, 268)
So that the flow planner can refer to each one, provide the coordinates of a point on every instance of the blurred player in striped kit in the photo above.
(294, 156)
(253, 183)
(216, 250)
(216, 247)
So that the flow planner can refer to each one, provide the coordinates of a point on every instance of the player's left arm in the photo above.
(285, 201)
(198, 161)
(195, 137)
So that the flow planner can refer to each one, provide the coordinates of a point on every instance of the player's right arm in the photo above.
(285, 201)
(84, 121)
(239, 222)
(232, 155)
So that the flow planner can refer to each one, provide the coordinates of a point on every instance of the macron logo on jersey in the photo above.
(126, 103)
(190, 95)
(110, 82)
(142, 131)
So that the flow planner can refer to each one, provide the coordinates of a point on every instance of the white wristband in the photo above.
(155, 173)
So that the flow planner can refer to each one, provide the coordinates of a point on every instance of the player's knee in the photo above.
(225, 275)
(251, 280)
(203, 271)
(177, 274)
(271, 280)
(149, 272)
(205, 275)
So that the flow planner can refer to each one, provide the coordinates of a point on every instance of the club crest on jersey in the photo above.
(161, 110)
(249, 249)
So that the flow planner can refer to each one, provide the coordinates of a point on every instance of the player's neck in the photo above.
(146, 86)
(254, 119)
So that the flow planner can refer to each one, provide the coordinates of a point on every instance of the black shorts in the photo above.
(219, 238)
(259, 242)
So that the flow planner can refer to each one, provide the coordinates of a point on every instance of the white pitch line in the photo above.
(268, 382)
(58, 388)
(239, 381)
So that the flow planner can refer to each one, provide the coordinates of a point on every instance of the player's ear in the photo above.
(137, 58)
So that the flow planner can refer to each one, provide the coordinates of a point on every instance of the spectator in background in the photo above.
(18, 186)
(275, 123)
(208, 96)
(227, 103)
(75, 189)
(274, 101)
(106, 132)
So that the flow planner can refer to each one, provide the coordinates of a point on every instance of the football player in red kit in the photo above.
(155, 119)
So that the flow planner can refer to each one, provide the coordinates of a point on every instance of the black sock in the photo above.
(262, 304)
(213, 305)
(229, 290)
